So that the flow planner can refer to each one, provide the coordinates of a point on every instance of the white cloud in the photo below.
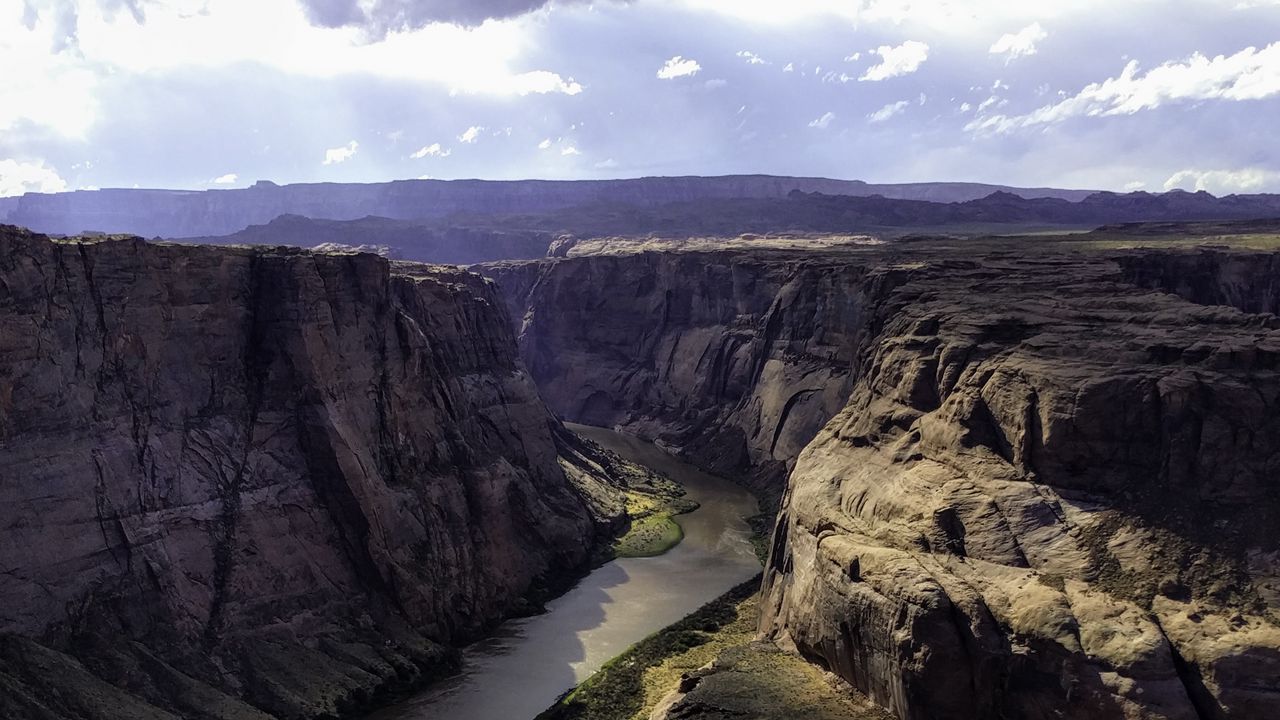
(607, 164)
(853, 58)
(965, 107)
(900, 60)
(333, 156)
(715, 83)
(546, 143)
(569, 150)
(17, 178)
(751, 58)
(678, 67)
(1225, 182)
(432, 150)
(823, 122)
(1250, 74)
(790, 67)
(1020, 44)
(228, 179)
(1135, 185)
(539, 82)
(888, 111)
(470, 135)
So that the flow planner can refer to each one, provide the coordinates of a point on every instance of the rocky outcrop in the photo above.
(1050, 495)
(186, 213)
(1047, 487)
(733, 360)
(241, 483)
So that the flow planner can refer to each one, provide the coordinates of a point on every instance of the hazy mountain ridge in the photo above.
(189, 213)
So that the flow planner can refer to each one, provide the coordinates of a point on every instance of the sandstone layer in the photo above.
(241, 483)
(1045, 483)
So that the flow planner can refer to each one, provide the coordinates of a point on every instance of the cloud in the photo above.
(546, 143)
(751, 58)
(470, 135)
(542, 82)
(823, 122)
(570, 150)
(607, 164)
(333, 156)
(17, 178)
(432, 150)
(853, 58)
(678, 67)
(228, 179)
(379, 17)
(715, 83)
(1225, 182)
(1020, 44)
(1134, 185)
(1250, 74)
(894, 61)
(888, 111)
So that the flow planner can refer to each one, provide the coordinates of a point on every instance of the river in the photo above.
(528, 663)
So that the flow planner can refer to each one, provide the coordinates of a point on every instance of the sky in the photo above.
(1097, 94)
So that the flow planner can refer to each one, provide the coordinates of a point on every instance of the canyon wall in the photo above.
(240, 482)
(733, 360)
(1047, 487)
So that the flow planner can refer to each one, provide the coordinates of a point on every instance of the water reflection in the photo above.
(528, 663)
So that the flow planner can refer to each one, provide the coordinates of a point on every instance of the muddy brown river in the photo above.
(528, 663)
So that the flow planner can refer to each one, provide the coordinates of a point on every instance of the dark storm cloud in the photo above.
(388, 15)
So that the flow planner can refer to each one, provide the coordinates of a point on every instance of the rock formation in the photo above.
(1045, 484)
(241, 483)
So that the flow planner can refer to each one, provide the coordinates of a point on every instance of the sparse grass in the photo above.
(649, 536)
(618, 691)
(654, 529)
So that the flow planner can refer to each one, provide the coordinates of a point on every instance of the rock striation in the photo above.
(252, 483)
(1043, 482)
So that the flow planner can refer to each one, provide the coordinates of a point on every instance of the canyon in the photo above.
(243, 484)
(1041, 478)
(1003, 477)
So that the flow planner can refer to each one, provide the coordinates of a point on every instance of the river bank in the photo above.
(529, 662)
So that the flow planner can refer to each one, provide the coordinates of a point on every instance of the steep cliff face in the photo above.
(732, 359)
(1050, 495)
(236, 481)
(1248, 281)
(1044, 490)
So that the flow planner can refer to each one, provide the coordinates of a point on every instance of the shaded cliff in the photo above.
(733, 360)
(1039, 490)
(240, 482)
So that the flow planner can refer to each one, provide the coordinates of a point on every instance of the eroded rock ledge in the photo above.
(241, 483)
